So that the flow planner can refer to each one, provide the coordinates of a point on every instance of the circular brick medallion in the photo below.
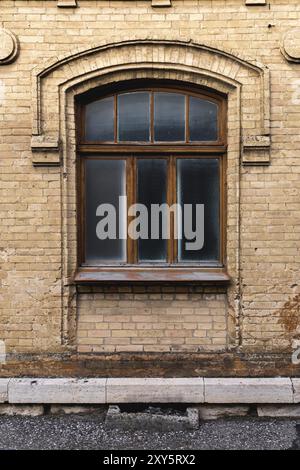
(8, 46)
(291, 45)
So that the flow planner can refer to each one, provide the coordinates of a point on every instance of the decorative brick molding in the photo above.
(9, 46)
(256, 141)
(256, 2)
(45, 152)
(73, 3)
(208, 61)
(67, 3)
(256, 150)
(161, 3)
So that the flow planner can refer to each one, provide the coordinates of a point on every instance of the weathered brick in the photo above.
(38, 204)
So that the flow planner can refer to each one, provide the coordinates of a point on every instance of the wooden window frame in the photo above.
(170, 271)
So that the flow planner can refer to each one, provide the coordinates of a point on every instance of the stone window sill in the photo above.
(190, 275)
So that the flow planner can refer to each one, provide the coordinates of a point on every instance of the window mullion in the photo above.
(174, 200)
(170, 200)
(82, 211)
(151, 116)
(116, 119)
(131, 196)
(134, 201)
(222, 183)
(187, 121)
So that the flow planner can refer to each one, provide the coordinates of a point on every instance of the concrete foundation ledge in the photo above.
(4, 390)
(248, 390)
(57, 391)
(156, 390)
(150, 390)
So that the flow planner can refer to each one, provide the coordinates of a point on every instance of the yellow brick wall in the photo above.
(35, 317)
(152, 319)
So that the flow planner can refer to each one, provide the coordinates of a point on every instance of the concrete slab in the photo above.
(156, 390)
(248, 390)
(278, 411)
(21, 410)
(56, 391)
(150, 390)
(209, 412)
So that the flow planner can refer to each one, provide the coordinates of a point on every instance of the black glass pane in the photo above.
(105, 181)
(169, 117)
(203, 120)
(152, 189)
(99, 120)
(134, 117)
(198, 183)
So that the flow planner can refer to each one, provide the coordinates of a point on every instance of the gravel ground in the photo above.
(89, 432)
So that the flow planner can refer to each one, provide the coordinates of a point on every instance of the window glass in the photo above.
(134, 117)
(203, 120)
(99, 120)
(105, 181)
(152, 190)
(169, 117)
(198, 183)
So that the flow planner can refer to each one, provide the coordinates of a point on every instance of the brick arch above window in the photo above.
(208, 65)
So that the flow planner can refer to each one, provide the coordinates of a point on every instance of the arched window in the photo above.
(151, 176)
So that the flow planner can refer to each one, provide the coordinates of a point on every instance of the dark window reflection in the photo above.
(152, 189)
(99, 120)
(203, 120)
(134, 117)
(169, 117)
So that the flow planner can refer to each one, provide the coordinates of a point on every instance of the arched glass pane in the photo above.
(203, 120)
(134, 117)
(99, 120)
(169, 117)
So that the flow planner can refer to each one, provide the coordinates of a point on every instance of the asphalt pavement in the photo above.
(81, 432)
